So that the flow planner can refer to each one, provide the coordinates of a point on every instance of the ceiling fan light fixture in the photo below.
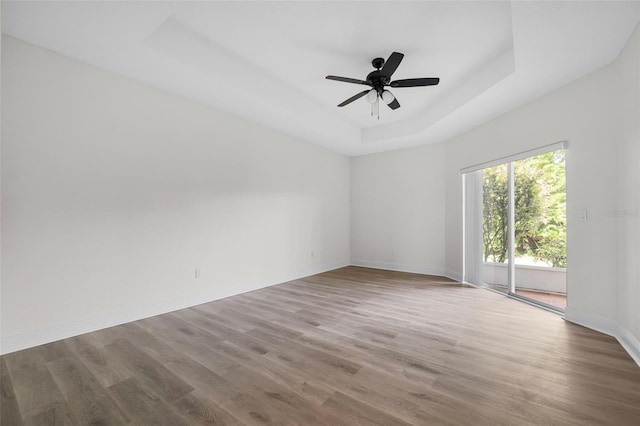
(372, 96)
(387, 97)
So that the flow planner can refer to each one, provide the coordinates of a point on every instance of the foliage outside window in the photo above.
(540, 210)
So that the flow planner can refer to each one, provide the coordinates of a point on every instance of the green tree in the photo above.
(495, 197)
(551, 246)
(528, 209)
(496, 207)
(540, 203)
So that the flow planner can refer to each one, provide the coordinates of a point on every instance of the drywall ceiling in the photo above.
(266, 61)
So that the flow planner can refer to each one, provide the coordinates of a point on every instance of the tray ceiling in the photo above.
(266, 61)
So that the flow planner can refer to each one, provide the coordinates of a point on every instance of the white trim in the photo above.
(73, 328)
(465, 272)
(536, 304)
(592, 321)
(475, 285)
(604, 325)
(472, 235)
(398, 267)
(454, 275)
(629, 343)
(511, 228)
(531, 267)
(518, 299)
(515, 157)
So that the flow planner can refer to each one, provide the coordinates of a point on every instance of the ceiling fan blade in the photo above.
(391, 64)
(394, 104)
(346, 80)
(415, 82)
(353, 98)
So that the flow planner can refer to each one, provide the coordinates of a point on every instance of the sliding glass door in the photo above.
(540, 246)
(523, 228)
(495, 227)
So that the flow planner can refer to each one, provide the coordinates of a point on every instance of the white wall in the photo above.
(397, 210)
(113, 193)
(599, 117)
(585, 114)
(627, 217)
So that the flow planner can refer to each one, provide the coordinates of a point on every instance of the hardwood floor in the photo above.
(354, 346)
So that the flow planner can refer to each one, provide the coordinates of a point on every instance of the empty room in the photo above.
(320, 213)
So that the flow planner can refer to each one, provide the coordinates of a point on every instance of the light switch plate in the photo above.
(582, 215)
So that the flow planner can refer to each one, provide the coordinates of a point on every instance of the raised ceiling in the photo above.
(266, 61)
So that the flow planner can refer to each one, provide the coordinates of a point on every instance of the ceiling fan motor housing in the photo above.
(374, 79)
(378, 63)
(377, 81)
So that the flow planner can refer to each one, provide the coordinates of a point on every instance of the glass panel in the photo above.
(495, 221)
(540, 228)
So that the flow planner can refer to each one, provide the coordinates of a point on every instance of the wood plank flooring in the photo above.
(353, 346)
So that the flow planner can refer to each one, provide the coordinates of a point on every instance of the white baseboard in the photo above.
(630, 344)
(604, 325)
(74, 328)
(594, 322)
(453, 275)
(399, 267)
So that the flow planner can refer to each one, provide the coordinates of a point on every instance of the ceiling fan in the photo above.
(381, 78)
